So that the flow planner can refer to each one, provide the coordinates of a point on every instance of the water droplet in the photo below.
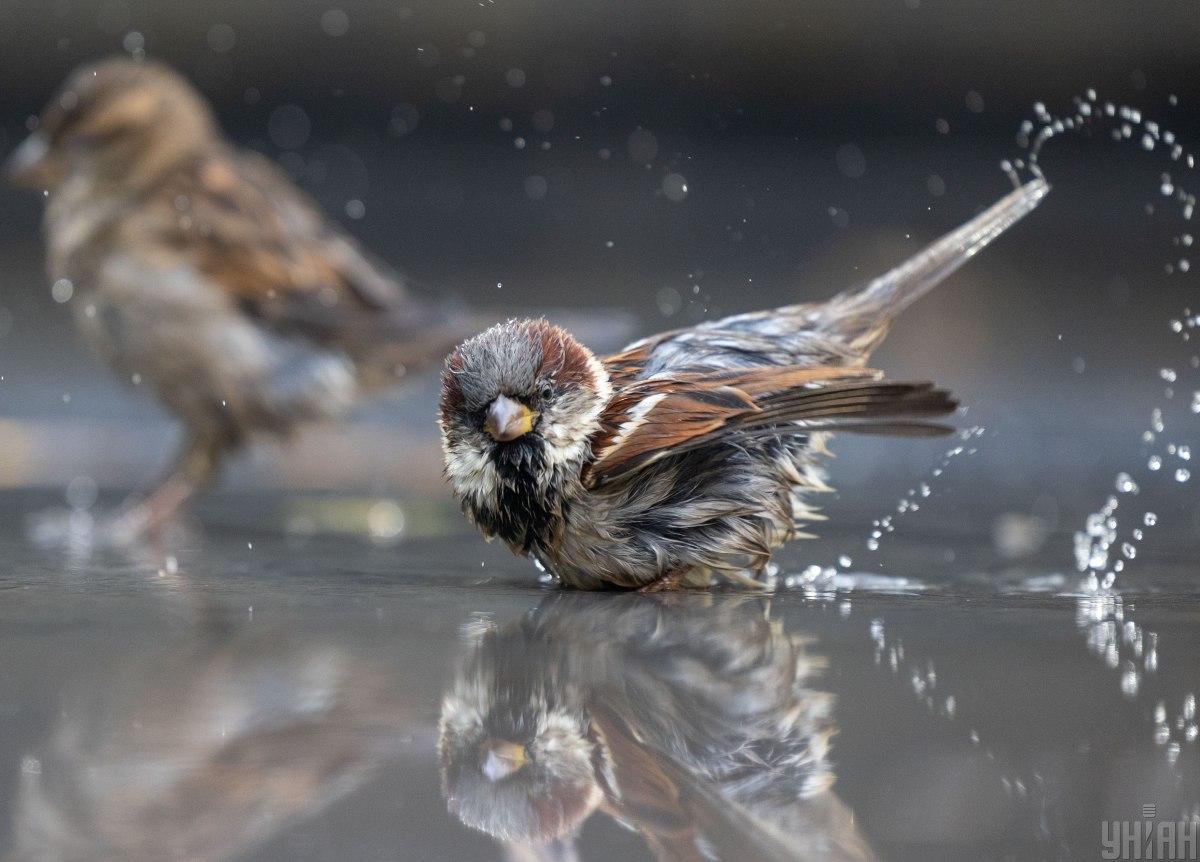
(1150, 519)
(536, 187)
(668, 300)
(1183, 474)
(62, 290)
(335, 22)
(221, 38)
(675, 187)
(1125, 484)
(134, 42)
(851, 161)
(1130, 679)
(289, 127)
(81, 493)
(642, 146)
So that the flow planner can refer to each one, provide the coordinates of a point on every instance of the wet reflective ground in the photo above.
(248, 694)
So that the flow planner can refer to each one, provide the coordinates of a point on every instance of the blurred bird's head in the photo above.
(118, 123)
(519, 405)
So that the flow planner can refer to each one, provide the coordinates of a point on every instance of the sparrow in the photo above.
(691, 719)
(688, 455)
(200, 271)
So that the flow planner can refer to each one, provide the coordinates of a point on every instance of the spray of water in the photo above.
(1101, 551)
(1105, 547)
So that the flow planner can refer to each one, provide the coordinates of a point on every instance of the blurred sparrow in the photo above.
(207, 750)
(688, 453)
(200, 270)
(687, 719)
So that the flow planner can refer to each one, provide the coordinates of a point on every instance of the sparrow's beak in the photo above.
(29, 163)
(501, 759)
(508, 419)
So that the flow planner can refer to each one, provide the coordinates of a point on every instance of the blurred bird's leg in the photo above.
(194, 467)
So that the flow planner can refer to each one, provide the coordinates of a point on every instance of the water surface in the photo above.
(249, 694)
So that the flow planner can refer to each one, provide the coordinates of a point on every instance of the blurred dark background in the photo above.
(680, 161)
(533, 154)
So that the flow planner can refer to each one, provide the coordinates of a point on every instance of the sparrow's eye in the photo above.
(546, 390)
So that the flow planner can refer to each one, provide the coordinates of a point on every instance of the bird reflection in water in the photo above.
(688, 719)
(207, 754)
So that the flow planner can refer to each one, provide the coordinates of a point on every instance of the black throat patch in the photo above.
(525, 509)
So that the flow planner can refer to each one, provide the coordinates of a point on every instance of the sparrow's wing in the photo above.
(648, 420)
(720, 346)
(682, 817)
(842, 331)
(244, 227)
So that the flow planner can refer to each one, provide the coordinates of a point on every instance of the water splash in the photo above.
(1094, 544)
(912, 500)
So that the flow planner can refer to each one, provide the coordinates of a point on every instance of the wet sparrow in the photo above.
(202, 271)
(688, 453)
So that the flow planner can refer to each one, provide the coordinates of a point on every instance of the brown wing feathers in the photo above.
(862, 399)
(655, 418)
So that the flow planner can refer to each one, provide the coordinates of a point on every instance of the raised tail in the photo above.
(861, 315)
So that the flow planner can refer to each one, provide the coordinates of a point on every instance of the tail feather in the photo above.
(860, 315)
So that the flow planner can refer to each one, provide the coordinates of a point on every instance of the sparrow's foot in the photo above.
(672, 580)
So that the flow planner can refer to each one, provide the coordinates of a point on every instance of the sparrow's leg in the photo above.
(194, 467)
(672, 580)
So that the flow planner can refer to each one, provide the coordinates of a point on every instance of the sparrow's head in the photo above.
(519, 404)
(517, 757)
(119, 121)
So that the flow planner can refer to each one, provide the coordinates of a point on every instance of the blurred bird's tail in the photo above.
(860, 316)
